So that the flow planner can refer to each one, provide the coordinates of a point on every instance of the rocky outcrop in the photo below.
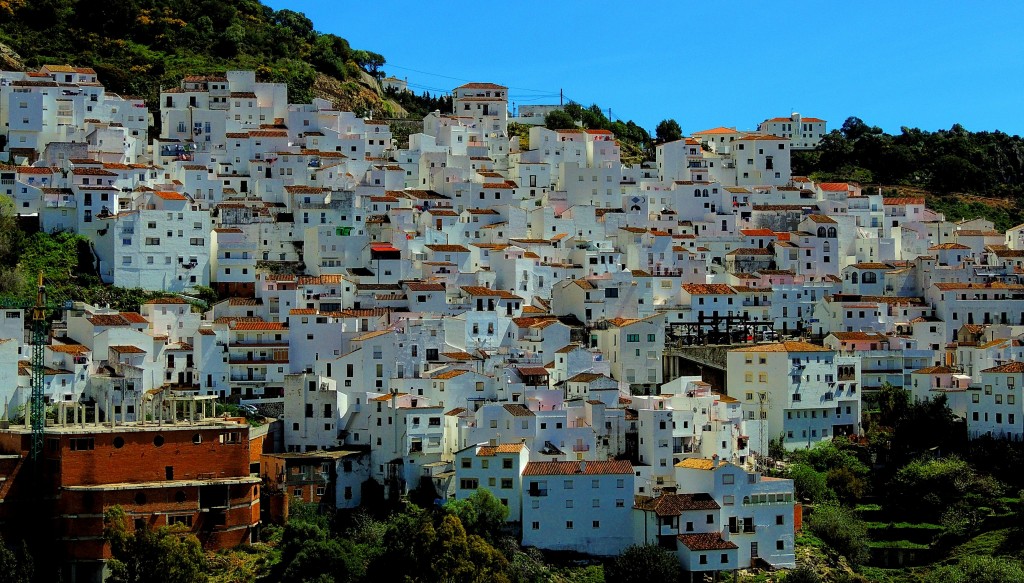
(10, 60)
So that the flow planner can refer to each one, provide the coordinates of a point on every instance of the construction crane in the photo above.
(40, 326)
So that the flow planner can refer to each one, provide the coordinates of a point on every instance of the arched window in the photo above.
(827, 247)
(696, 192)
(853, 277)
(705, 192)
(832, 232)
(821, 231)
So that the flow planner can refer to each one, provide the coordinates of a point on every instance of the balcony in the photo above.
(248, 379)
(581, 447)
(537, 492)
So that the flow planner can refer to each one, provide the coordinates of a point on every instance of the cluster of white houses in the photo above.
(472, 312)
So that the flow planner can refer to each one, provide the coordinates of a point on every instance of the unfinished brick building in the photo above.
(194, 472)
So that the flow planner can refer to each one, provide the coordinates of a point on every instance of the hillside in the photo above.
(139, 46)
(968, 173)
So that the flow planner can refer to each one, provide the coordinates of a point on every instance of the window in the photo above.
(506, 483)
(467, 463)
(780, 519)
(568, 524)
(728, 479)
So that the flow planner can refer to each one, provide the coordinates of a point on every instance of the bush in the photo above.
(810, 484)
(802, 574)
(841, 530)
(979, 569)
(641, 564)
(924, 490)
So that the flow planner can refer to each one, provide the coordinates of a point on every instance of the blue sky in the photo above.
(926, 64)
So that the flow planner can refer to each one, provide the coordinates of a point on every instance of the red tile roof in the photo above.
(1010, 367)
(589, 468)
(706, 541)
(519, 410)
(134, 318)
(490, 450)
(676, 504)
(168, 195)
(245, 326)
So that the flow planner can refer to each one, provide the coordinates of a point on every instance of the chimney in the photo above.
(583, 466)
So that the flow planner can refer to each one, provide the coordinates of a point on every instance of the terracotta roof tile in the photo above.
(706, 541)
(1010, 367)
(676, 504)
(519, 410)
(589, 468)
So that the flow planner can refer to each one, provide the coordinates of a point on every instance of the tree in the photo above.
(15, 566)
(841, 530)
(809, 483)
(559, 120)
(848, 487)
(643, 563)
(481, 514)
(139, 553)
(668, 131)
(326, 561)
(925, 489)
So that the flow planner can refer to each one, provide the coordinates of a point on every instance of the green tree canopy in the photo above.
(840, 529)
(559, 120)
(138, 554)
(925, 489)
(668, 130)
(481, 514)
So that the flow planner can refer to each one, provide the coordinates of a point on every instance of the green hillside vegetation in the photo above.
(948, 163)
(139, 46)
(635, 142)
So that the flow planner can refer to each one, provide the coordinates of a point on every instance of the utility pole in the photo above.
(561, 98)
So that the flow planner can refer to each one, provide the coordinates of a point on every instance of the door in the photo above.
(753, 550)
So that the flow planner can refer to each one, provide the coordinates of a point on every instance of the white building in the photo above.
(581, 506)
(803, 392)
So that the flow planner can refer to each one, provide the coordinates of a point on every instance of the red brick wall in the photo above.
(132, 456)
(139, 459)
